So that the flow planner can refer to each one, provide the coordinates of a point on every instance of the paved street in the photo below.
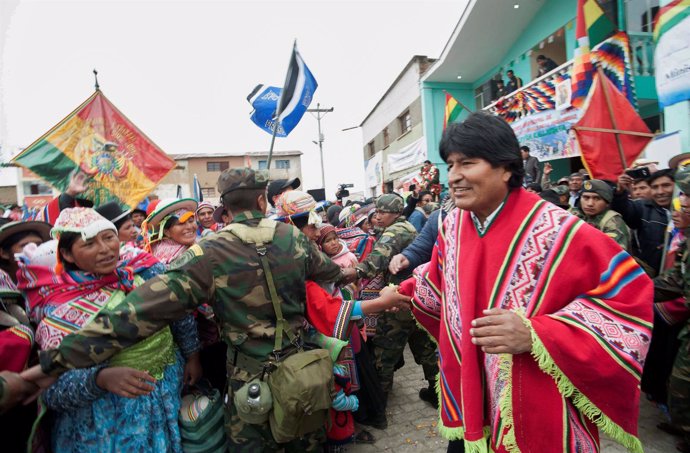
(412, 423)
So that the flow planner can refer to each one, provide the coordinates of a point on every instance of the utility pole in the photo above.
(318, 110)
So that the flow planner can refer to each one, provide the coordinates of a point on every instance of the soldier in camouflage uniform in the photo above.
(594, 209)
(671, 284)
(394, 330)
(226, 272)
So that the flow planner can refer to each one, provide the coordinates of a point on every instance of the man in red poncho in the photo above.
(542, 322)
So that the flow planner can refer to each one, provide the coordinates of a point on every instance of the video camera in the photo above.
(342, 191)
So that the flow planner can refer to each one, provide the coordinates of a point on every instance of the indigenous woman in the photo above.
(14, 236)
(126, 230)
(170, 230)
(130, 403)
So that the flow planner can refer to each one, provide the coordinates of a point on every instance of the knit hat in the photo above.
(325, 230)
(347, 215)
(202, 205)
(296, 203)
(84, 221)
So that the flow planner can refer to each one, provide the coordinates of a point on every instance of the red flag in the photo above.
(599, 148)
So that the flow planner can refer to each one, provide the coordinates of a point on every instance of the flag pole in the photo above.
(273, 140)
(278, 112)
(607, 95)
(95, 76)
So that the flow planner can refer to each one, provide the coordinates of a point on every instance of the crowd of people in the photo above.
(273, 321)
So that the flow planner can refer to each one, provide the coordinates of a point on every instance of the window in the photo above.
(262, 165)
(208, 193)
(283, 164)
(371, 149)
(405, 122)
(217, 166)
(386, 138)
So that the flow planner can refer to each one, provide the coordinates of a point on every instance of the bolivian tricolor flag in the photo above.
(452, 111)
(97, 139)
(670, 15)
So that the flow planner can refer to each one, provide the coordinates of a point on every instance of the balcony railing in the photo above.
(642, 64)
(642, 50)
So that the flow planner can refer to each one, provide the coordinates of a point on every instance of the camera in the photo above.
(342, 191)
(638, 173)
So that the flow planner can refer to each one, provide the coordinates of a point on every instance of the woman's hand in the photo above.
(501, 331)
(126, 382)
(192, 370)
(15, 389)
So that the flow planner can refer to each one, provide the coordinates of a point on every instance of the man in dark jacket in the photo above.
(648, 217)
(531, 164)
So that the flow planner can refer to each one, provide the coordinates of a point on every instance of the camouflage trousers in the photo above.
(250, 438)
(393, 331)
(679, 387)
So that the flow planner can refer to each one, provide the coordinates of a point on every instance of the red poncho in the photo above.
(588, 305)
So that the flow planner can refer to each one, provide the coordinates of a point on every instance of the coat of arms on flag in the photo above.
(122, 164)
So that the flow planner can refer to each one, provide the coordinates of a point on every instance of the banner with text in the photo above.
(411, 155)
(672, 62)
(547, 133)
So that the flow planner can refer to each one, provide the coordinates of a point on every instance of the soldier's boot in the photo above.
(429, 395)
(378, 421)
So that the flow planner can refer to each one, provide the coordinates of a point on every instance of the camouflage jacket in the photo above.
(611, 225)
(392, 241)
(675, 281)
(220, 270)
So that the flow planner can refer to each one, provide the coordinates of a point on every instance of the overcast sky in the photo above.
(181, 71)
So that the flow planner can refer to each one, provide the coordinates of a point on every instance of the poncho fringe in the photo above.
(580, 401)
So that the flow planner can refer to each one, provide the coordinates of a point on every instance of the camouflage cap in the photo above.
(241, 178)
(598, 187)
(390, 202)
(683, 180)
(560, 190)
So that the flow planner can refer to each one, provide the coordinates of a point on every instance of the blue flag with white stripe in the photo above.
(288, 104)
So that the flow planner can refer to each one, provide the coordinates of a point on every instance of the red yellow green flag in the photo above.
(670, 15)
(452, 112)
(123, 164)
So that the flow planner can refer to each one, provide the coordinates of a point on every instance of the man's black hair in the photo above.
(524, 148)
(541, 57)
(487, 137)
(660, 174)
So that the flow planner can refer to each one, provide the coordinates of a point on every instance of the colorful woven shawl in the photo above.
(587, 304)
(358, 242)
(45, 290)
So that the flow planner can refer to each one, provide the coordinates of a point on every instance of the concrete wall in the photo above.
(8, 195)
(394, 104)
